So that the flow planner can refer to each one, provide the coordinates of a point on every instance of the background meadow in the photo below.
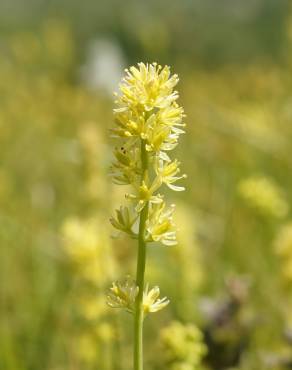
(230, 278)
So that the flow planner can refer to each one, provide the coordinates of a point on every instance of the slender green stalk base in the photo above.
(141, 263)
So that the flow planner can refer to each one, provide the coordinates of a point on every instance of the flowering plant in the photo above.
(149, 123)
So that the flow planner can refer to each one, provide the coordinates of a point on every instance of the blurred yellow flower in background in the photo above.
(87, 243)
(263, 194)
(183, 346)
(283, 248)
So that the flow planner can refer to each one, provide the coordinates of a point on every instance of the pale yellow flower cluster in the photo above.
(147, 107)
(148, 123)
(147, 111)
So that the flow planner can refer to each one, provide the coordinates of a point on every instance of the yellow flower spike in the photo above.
(149, 122)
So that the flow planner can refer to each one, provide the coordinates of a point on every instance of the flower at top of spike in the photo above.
(147, 107)
(148, 86)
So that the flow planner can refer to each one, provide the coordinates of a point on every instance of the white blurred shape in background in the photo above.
(104, 65)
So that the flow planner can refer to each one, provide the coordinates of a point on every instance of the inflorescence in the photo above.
(148, 123)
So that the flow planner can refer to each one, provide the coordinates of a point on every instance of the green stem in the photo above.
(141, 263)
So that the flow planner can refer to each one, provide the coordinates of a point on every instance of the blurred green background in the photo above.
(230, 278)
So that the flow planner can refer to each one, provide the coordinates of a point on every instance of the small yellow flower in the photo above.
(167, 172)
(122, 294)
(125, 220)
(151, 302)
(125, 170)
(160, 226)
(158, 138)
(145, 194)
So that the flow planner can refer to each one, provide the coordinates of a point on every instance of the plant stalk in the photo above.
(141, 263)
